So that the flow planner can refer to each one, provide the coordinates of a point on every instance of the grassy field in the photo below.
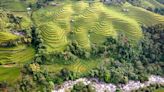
(9, 74)
(159, 90)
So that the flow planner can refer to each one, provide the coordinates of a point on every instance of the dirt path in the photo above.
(9, 65)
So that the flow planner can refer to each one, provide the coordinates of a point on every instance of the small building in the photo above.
(54, 4)
(125, 10)
(28, 9)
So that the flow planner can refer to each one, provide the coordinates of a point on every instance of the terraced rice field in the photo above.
(140, 15)
(148, 19)
(6, 25)
(54, 37)
(153, 4)
(13, 5)
(6, 36)
(88, 21)
(80, 66)
(19, 54)
(16, 54)
(3, 21)
(9, 74)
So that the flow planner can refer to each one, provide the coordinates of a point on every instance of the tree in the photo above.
(81, 87)
(107, 76)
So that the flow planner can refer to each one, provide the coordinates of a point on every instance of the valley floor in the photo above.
(101, 86)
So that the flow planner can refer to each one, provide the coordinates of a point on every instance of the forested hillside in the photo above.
(46, 42)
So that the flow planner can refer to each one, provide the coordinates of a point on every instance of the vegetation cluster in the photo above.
(121, 61)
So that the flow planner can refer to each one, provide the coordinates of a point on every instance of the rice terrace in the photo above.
(81, 46)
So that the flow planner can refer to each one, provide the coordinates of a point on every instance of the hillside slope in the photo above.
(82, 22)
(87, 21)
(59, 26)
